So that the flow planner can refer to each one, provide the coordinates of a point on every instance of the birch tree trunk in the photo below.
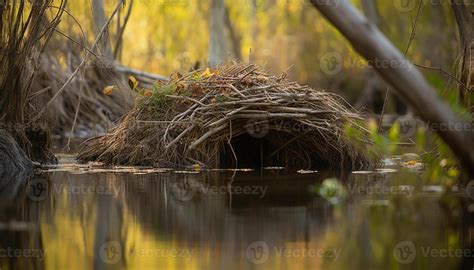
(216, 33)
(405, 79)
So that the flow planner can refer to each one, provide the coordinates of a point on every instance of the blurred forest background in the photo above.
(166, 36)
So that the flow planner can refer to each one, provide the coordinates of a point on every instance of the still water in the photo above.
(87, 217)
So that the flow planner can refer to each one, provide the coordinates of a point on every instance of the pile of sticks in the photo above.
(193, 118)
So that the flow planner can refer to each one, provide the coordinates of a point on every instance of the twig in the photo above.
(73, 75)
(118, 43)
(205, 136)
(412, 37)
(140, 73)
(442, 71)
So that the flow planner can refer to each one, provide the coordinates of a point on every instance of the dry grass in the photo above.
(82, 105)
(198, 117)
(25, 30)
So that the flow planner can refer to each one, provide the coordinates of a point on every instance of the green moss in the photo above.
(158, 99)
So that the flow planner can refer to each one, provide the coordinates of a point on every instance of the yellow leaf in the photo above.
(207, 73)
(108, 90)
(133, 83)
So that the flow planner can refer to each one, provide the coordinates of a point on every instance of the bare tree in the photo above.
(216, 33)
(405, 79)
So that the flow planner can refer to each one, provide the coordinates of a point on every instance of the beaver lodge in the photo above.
(233, 116)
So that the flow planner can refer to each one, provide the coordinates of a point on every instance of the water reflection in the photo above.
(220, 220)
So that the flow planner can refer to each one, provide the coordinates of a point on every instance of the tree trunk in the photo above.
(234, 37)
(372, 84)
(370, 10)
(216, 33)
(405, 79)
(465, 23)
(100, 20)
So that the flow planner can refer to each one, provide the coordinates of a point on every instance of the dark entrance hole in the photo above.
(274, 150)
